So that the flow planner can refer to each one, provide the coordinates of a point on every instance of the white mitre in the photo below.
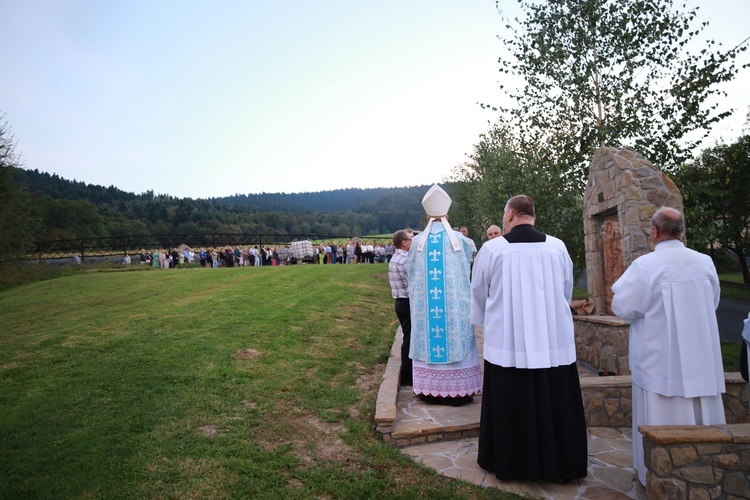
(436, 203)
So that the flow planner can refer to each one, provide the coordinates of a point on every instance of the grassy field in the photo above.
(737, 291)
(202, 383)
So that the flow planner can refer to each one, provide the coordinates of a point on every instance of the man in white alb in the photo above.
(670, 297)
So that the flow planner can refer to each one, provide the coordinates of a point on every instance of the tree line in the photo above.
(56, 208)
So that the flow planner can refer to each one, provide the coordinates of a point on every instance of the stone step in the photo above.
(417, 422)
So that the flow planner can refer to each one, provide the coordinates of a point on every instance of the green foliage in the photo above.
(730, 355)
(612, 73)
(502, 168)
(732, 285)
(68, 219)
(715, 194)
(18, 224)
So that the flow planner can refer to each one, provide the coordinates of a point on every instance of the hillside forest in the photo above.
(66, 209)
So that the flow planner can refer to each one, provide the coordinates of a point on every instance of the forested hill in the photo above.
(74, 209)
(339, 200)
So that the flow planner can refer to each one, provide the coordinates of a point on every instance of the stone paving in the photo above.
(444, 438)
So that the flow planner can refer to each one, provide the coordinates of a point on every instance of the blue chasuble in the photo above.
(439, 296)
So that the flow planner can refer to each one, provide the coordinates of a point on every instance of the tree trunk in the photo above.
(743, 265)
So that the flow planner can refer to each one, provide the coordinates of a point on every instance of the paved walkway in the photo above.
(610, 469)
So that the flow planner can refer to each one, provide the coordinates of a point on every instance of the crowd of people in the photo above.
(354, 252)
(518, 288)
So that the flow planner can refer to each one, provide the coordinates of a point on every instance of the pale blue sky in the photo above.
(200, 99)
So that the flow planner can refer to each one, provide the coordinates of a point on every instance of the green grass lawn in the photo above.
(738, 291)
(210, 383)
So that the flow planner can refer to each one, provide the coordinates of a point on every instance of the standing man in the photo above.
(532, 424)
(493, 232)
(444, 354)
(398, 277)
(465, 233)
(670, 297)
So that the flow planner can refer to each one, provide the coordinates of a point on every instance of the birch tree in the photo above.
(613, 73)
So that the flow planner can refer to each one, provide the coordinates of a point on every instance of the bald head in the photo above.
(493, 232)
(669, 224)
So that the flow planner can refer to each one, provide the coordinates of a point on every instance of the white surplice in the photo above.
(521, 294)
(670, 298)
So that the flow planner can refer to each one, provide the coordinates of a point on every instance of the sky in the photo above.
(209, 99)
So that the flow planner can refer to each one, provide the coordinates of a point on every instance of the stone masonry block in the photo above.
(737, 484)
(659, 461)
(727, 461)
(622, 162)
(657, 197)
(669, 184)
(698, 493)
(682, 455)
(703, 474)
(633, 193)
(657, 487)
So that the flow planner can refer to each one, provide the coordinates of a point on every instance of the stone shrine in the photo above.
(622, 193)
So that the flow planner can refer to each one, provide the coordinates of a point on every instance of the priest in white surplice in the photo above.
(670, 297)
(446, 367)
(532, 423)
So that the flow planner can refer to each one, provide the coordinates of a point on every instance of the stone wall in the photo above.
(602, 342)
(697, 462)
(607, 401)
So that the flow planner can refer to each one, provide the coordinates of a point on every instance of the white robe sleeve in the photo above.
(632, 293)
(568, 284)
(480, 287)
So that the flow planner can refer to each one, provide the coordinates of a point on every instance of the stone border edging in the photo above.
(385, 407)
(697, 461)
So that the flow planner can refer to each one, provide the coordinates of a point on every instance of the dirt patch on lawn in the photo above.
(211, 431)
(311, 440)
(248, 354)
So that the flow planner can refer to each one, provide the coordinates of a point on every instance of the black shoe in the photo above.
(430, 400)
(463, 400)
(437, 400)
